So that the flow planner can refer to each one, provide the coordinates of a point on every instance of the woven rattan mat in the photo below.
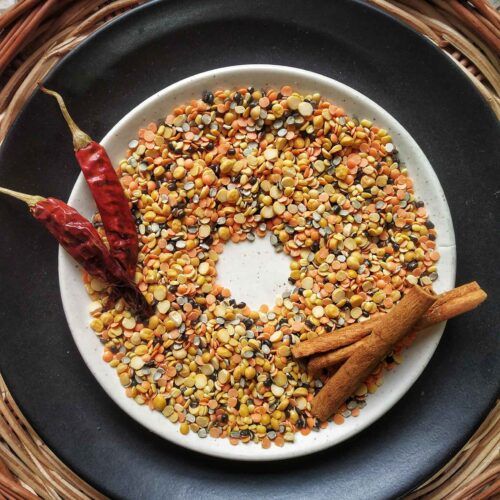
(35, 34)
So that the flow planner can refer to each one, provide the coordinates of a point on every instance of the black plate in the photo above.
(147, 50)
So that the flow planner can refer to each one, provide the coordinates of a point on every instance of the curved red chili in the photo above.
(112, 204)
(81, 240)
(78, 237)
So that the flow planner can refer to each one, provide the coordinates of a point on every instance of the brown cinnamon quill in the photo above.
(389, 330)
(352, 333)
(442, 310)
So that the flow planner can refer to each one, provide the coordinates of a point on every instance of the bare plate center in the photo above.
(254, 272)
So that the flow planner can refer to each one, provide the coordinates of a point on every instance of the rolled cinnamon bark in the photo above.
(451, 308)
(338, 338)
(388, 330)
(321, 361)
(353, 333)
(441, 310)
(455, 293)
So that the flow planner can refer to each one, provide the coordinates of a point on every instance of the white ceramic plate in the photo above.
(427, 188)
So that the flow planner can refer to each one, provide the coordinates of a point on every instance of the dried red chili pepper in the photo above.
(107, 191)
(81, 240)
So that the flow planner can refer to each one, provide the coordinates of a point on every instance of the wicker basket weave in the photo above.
(37, 33)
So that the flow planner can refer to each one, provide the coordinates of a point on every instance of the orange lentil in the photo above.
(338, 419)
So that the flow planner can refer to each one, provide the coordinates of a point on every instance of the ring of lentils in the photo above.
(232, 166)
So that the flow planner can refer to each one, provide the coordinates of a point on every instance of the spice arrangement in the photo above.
(231, 167)
(385, 333)
(327, 351)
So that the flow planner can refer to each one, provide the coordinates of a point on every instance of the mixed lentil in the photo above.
(230, 167)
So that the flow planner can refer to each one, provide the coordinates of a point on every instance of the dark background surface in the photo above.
(152, 48)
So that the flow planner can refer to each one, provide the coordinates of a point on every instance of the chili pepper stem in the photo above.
(80, 138)
(31, 200)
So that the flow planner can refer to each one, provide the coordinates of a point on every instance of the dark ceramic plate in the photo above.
(147, 50)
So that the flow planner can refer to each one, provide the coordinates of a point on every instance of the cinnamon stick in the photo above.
(454, 293)
(317, 363)
(329, 341)
(436, 314)
(352, 333)
(452, 308)
(389, 330)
